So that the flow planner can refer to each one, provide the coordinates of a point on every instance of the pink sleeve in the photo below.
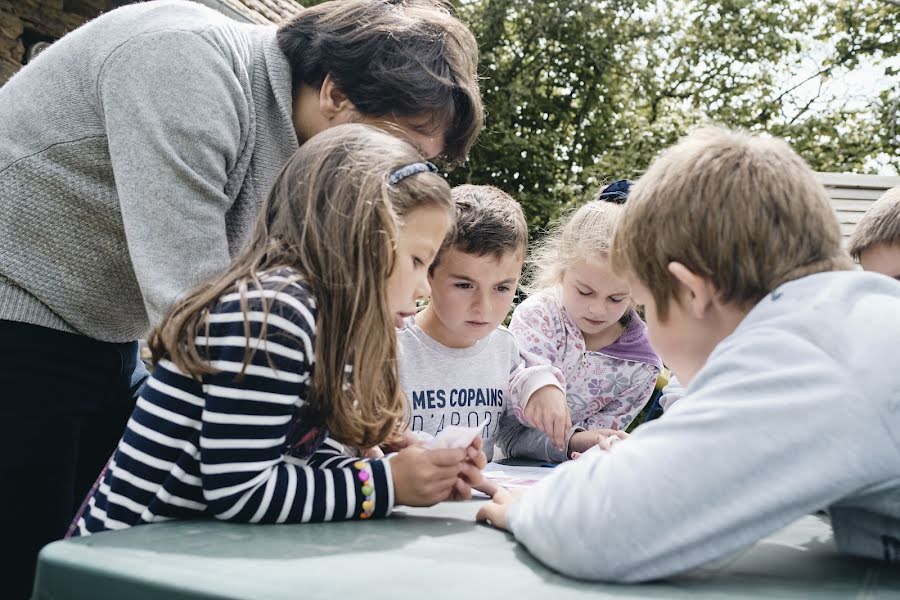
(537, 334)
(619, 413)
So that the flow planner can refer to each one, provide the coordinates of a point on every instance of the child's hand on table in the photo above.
(424, 477)
(494, 512)
(471, 477)
(583, 441)
(548, 410)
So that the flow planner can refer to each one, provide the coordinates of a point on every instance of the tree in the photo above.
(579, 92)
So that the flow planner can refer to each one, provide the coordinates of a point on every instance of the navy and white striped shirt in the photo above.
(234, 449)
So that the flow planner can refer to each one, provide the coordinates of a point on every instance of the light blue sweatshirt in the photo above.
(797, 410)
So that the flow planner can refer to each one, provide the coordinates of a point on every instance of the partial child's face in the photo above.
(471, 295)
(595, 297)
(682, 341)
(882, 258)
(418, 240)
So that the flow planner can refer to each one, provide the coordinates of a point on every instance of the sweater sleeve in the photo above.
(244, 472)
(671, 393)
(751, 448)
(176, 120)
(534, 330)
(517, 440)
(627, 404)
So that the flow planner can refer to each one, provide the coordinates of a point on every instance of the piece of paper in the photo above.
(511, 477)
(509, 480)
(454, 436)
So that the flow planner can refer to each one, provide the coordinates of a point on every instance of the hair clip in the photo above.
(411, 169)
(616, 192)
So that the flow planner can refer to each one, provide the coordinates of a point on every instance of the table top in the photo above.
(437, 553)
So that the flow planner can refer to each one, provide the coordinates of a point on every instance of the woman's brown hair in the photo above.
(402, 58)
(333, 217)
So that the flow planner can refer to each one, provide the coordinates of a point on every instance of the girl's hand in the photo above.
(373, 453)
(548, 410)
(470, 476)
(494, 512)
(583, 441)
(402, 440)
(425, 477)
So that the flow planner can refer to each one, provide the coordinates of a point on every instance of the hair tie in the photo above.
(616, 192)
(411, 169)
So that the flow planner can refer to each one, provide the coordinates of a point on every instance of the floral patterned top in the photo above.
(605, 388)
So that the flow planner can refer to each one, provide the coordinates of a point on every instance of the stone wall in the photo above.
(26, 22)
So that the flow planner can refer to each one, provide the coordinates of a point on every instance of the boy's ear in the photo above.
(333, 101)
(698, 291)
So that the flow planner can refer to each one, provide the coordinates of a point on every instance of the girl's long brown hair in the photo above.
(333, 217)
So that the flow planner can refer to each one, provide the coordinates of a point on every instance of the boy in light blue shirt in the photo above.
(792, 402)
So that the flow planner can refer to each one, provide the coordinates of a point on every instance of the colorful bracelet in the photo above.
(368, 488)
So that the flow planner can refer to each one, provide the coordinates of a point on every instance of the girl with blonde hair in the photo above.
(579, 318)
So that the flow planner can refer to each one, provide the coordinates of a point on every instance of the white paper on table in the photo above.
(512, 477)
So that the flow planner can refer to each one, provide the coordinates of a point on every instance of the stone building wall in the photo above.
(24, 23)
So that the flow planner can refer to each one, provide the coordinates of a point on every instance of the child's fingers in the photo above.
(488, 487)
(471, 473)
(462, 490)
(438, 490)
(560, 428)
(445, 475)
(446, 457)
(603, 442)
(492, 513)
(476, 457)
(374, 453)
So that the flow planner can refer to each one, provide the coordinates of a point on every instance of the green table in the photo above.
(433, 553)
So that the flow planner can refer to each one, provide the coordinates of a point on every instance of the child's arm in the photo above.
(671, 393)
(619, 413)
(519, 441)
(246, 421)
(758, 444)
(537, 385)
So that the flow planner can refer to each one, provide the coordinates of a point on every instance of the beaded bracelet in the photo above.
(368, 488)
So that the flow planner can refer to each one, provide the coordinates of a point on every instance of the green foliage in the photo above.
(581, 92)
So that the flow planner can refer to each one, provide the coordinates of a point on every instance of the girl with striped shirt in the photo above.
(264, 374)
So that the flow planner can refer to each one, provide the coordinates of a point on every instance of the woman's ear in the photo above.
(333, 103)
(697, 291)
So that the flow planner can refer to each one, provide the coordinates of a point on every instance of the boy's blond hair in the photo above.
(745, 211)
(880, 224)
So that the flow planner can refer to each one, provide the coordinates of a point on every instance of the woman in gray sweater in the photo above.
(134, 154)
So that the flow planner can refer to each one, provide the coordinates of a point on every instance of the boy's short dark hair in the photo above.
(488, 221)
(405, 58)
(879, 225)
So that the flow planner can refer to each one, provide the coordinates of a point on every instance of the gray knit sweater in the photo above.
(134, 155)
